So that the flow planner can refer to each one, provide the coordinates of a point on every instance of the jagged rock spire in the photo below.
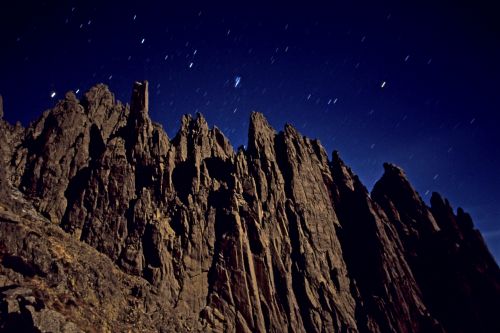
(140, 98)
(260, 135)
(395, 189)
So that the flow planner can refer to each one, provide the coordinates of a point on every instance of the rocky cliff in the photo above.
(107, 225)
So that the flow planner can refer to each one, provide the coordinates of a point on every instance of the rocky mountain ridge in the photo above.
(106, 224)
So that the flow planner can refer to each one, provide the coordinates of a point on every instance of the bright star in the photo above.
(237, 81)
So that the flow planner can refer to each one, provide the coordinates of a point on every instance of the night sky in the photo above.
(416, 83)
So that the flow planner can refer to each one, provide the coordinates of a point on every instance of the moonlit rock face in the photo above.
(146, 233)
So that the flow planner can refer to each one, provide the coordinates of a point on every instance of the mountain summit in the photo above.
(107, 225)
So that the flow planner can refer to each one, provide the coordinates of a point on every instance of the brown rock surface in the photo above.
(390, 300)
(457, 275)
(107, 225)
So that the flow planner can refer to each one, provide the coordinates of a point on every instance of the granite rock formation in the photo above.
(107, 225)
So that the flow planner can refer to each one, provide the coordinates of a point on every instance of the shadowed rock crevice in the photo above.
(282, 161)
(182, 178)
(219, 169)
(21, 266)
(96, 144)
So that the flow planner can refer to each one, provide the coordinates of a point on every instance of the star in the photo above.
(237, 81)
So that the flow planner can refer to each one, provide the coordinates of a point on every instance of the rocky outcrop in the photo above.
(456, 273)
(108, 225)
(389, 299)
(60, 144)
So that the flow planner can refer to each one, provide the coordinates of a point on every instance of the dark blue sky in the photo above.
(414, 83)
